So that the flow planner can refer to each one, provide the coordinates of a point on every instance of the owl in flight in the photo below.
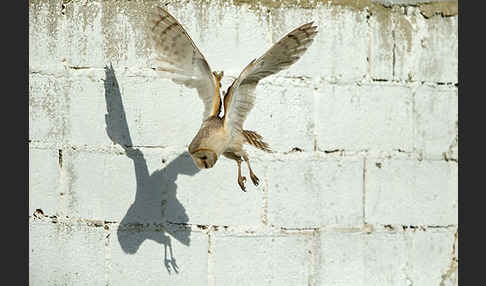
(181, 60)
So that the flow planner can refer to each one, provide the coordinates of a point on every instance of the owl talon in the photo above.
(241, 182)
(254, 179)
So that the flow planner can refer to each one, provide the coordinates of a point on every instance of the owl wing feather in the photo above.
(240, 97)
(179, 59)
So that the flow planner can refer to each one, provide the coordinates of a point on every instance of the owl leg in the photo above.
(237, 158)
(253, 177)
(241, 179)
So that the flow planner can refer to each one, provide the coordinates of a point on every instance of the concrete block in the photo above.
(44, 181)
(455, 149)
(341, 259)
(245, 34)
(88, 108)
(159, 192)
(340, 48)
(410, 192)
(283, 115)
(451, 276)
(456, 245)
(381, 258)
(313, 192)
(44, 31)
(149, 257)
(426, 49)
(163, 114)
(261, 260)
(381, 45)
(418, 258)
(213, 196)
(150, 110)
(436, 118)
(101, 185)
(365, 117)
(48, 108)
(66, 254)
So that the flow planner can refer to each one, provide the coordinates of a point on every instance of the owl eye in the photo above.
(204, 157)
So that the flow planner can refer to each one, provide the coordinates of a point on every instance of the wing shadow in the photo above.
(155, 201)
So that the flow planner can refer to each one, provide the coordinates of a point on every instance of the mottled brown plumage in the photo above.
(181, 60)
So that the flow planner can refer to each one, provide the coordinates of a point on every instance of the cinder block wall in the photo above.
(362, 187)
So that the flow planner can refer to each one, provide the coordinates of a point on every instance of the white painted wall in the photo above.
(370, 200)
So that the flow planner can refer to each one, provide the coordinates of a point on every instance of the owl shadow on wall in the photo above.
(155, 202)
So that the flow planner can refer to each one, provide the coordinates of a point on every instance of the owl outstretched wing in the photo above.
(240, 97)
(179, 59)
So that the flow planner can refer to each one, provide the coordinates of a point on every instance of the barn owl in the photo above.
(178, 56)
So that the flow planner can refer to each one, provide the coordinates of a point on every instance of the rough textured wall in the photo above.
(362, 188)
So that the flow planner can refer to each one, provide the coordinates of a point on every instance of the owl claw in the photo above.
(241, 182)
(254, 179)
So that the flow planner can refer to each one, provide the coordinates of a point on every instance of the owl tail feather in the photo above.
(255, 140)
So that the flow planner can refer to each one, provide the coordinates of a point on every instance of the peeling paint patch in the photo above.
(295, 149)
(38, 213)
(334, 151)
(60, 158)
(451, 273)
(308, 4)
(444, 9)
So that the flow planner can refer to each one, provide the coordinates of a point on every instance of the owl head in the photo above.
(204, 158)
(208, 144)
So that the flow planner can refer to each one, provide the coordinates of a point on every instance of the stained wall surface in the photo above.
(361, 188)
